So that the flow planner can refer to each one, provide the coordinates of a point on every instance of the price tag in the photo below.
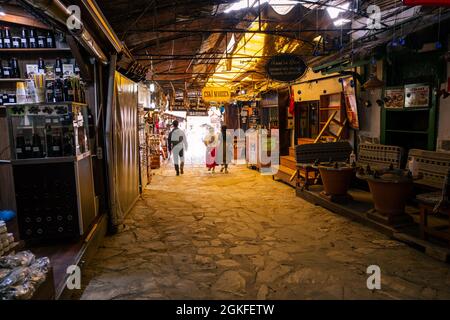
(48, 120)
(36, 149)
(55, 121)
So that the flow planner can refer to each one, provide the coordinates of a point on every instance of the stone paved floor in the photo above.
(244, 236)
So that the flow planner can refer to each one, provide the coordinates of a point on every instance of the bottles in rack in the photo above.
(24, 38)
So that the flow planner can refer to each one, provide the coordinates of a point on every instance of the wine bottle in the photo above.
(69, 94)
(41, 41)
(16, 42)
(7, 39)
(37, 146)
(1, 69)
(1, 39)
(41, 66)
(59, 90)
(28, 153)
(76, 69)
(50, 41)
(24, 39)
(50, 91)
(58, 68)
(14, 64)
(32, 41)
(20, 147)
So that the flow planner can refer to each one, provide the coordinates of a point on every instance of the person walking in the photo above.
(177, 144)
(211, 143)
(225, 149)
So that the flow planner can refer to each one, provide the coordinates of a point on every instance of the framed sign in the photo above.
(351, 103)
(417, 96)
(286, 68)
(395, 98)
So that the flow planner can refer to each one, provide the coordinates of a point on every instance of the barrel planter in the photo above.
(336, 181)
(390, 191)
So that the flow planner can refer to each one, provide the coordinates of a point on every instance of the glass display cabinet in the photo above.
(48, 130)
(52, 169)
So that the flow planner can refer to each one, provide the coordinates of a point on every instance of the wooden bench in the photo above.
(379, 157)
(309, 154)
(433, 169)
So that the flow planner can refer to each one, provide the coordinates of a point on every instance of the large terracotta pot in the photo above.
(336, 181)
(390, 196)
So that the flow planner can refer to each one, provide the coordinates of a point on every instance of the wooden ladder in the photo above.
(326, 129)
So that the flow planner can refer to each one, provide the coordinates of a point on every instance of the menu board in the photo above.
(394, 98)
(417, 96)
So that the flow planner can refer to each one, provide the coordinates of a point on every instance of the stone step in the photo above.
(289, 162)
(284, 174)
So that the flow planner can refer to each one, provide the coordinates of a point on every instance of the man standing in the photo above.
(177, 145)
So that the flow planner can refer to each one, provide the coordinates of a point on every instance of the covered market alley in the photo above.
(224, 150)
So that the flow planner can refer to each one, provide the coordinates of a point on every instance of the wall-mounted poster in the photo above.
(351, 104)
(417, 96)
(395, 98)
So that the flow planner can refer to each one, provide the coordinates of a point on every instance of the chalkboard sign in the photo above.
(286, 68)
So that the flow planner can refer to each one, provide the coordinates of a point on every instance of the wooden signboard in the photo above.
(216, 94)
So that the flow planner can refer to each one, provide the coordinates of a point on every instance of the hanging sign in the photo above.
(351, 104)
(286, 68)
(216, 94)
(444, 3)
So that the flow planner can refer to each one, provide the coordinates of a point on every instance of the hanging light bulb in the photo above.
(152, 87)
(2, 12)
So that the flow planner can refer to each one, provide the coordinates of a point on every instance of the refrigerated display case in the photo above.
(52, 169)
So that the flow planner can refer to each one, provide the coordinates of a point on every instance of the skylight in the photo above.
(280, 6)
(335, 11)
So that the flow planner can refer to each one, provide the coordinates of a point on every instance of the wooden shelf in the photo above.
(408, 131)
(407, 109)
(13, 80)
(28, 50)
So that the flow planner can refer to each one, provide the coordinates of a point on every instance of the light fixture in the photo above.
(2, 12)
(373, 83)
(341, 22)
(152, 87)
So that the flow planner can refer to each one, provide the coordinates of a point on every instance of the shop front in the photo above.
(56, 145)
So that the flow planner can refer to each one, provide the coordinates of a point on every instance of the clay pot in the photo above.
(336, 181)
(390, 196)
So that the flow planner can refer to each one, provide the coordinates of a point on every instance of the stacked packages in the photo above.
(21, 275)
(7, 243)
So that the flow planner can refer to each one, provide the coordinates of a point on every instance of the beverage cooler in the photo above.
(52, 169)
